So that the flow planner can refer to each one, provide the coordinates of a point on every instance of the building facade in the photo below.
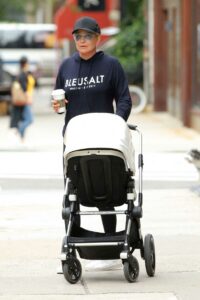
(174, 58)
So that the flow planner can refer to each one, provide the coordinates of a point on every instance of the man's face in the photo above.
(86, 42)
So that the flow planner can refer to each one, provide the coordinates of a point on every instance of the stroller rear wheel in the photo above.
(131, 269)
(72, 270)
(149, 255)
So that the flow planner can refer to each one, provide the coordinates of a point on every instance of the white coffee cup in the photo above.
(59, 95)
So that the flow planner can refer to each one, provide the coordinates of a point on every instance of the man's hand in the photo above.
(56, 105)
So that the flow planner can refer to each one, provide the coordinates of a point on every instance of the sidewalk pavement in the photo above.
(161, 132)
(32, 228)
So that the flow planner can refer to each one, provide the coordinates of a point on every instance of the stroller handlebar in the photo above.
(132, 127)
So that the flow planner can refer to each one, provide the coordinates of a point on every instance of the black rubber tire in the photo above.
(131, 274)
(72, 270)
(149, 255)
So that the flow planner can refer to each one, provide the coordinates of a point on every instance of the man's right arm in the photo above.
(58, 85)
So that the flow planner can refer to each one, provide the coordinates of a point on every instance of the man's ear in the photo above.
(98, 39)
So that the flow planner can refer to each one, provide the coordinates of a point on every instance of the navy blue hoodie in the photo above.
(92, 85)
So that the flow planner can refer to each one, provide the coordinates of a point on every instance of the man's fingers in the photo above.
(56, 104)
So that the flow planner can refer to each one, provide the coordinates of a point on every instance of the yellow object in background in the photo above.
(30, 84)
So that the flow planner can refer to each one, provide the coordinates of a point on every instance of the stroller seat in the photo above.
(100, 179)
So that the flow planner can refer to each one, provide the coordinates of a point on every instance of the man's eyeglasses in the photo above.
(85, 37)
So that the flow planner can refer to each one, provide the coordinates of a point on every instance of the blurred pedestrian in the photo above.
(22, 92)
(1, 69)
(92, 81)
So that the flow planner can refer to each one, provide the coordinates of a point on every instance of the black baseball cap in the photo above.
(88, 24)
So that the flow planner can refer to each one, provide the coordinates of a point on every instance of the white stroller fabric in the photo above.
(99, 131)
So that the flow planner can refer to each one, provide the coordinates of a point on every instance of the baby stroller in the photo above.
(99, 171)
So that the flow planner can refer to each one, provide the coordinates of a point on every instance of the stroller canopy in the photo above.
(99, 131)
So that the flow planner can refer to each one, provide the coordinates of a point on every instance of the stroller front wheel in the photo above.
(131, 269)
(72, 270)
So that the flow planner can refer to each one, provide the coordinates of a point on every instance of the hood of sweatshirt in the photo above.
(82, 63)
(78, 59)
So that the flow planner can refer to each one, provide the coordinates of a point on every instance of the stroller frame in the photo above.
(92, 245)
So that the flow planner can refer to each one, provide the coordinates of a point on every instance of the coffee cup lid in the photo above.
(58, 92)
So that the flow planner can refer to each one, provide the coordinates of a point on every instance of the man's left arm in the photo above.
(122, 94)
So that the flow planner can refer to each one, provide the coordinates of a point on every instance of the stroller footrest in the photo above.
(97, 240)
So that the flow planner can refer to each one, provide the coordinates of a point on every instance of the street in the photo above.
(31, 227)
